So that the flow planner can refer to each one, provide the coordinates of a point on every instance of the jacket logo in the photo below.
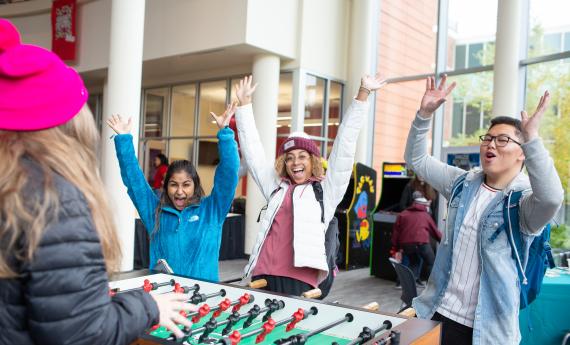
(194, 218)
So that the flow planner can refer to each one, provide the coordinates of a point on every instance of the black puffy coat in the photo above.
(62, 295)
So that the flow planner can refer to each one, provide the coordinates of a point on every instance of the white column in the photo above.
(266, 74)
(122, 91)
(298, 101)
(362, 60)
(505, 79)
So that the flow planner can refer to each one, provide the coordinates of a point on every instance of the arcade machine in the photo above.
(395, 176)
(354, 215)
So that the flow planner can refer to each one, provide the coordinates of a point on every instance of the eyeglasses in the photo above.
(500, 140)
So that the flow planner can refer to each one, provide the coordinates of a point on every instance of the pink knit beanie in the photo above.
(37, 90)
(299, 140)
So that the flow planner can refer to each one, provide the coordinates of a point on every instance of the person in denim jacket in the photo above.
(474, 288)
(184, 225)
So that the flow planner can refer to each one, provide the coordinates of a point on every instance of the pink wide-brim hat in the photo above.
(37, 89)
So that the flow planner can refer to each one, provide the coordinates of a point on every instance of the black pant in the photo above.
(416, 252)
(286, 285)
(453, 333)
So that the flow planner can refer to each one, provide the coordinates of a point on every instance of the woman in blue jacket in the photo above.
(184, 225)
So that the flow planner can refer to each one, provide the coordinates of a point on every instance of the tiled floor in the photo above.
(355, 287)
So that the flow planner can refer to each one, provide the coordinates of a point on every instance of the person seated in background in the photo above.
(58, 242)
(290, 248)
(411, 235)
(184, 225)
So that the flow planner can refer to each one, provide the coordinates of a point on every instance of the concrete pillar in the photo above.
(506, 76)
(266, 74)
(123, 91)
(362, 60)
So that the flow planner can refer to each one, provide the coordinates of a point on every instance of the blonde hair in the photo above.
(70, 151)
(317, 163)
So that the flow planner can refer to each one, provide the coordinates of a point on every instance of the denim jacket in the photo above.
(497, 311)
(190, 239)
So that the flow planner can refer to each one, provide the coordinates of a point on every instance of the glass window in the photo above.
(208, 160)
(180, 149)
(284, 104)
(314, 105)
(407, 37)
(148, 150)
(183, 108)
(548, 19)
(472, 24)
(471, 110)
(566, 41)
(155, 108)
(460, 53)
(212, 99)
(335, 109)
(95, 105)
(554, 129)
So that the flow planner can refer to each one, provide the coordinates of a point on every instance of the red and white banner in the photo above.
(63, 28)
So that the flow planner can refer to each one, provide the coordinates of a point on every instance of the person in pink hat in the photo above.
(57, 238)
(290, 248)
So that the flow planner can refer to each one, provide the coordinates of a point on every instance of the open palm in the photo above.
(245, 89)
(434, 96)
(224, 119)
(372, 83)
(120, 125)
(530, 125)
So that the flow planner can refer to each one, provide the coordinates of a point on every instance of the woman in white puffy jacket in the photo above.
(290, 248)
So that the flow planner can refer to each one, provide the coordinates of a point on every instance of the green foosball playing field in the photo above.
(278, 333)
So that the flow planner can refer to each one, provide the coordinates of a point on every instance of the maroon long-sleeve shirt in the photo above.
(414, 226)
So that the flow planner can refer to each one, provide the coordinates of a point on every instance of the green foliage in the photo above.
(560, 237)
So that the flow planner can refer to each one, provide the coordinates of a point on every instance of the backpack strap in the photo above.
(511, 220)
(265, 207)
(318, 190)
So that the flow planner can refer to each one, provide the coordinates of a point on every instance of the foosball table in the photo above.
(231, 315)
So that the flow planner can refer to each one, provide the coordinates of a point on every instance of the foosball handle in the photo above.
(373, 306)
(314, 293)
(410, 312)
(258, 284)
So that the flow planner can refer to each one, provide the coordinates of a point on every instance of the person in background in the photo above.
(58, 243)
(161, 166)
(411, 234)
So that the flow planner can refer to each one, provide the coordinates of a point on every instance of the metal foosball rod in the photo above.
(185, 289)
(268, 327)
(201, 297)
(300, 339)
(392, 339)
(368, 334)
(221, 307)
(146, 287)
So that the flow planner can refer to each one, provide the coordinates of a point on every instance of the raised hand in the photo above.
(119, 125)
(244, 90)
(434, 96)
(224, 119)
(530, 125)
(169, 306)
(372, 83)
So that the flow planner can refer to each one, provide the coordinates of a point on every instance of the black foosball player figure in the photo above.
(298, 179)
(58, 242)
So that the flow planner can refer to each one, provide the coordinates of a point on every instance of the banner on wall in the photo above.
(63, 28)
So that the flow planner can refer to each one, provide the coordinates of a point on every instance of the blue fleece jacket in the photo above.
(189, 240)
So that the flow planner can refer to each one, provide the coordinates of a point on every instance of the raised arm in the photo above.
(226, 176)
(251, 148)
(438, 174)
(539, 206)
(341, 159)
(142, 196)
